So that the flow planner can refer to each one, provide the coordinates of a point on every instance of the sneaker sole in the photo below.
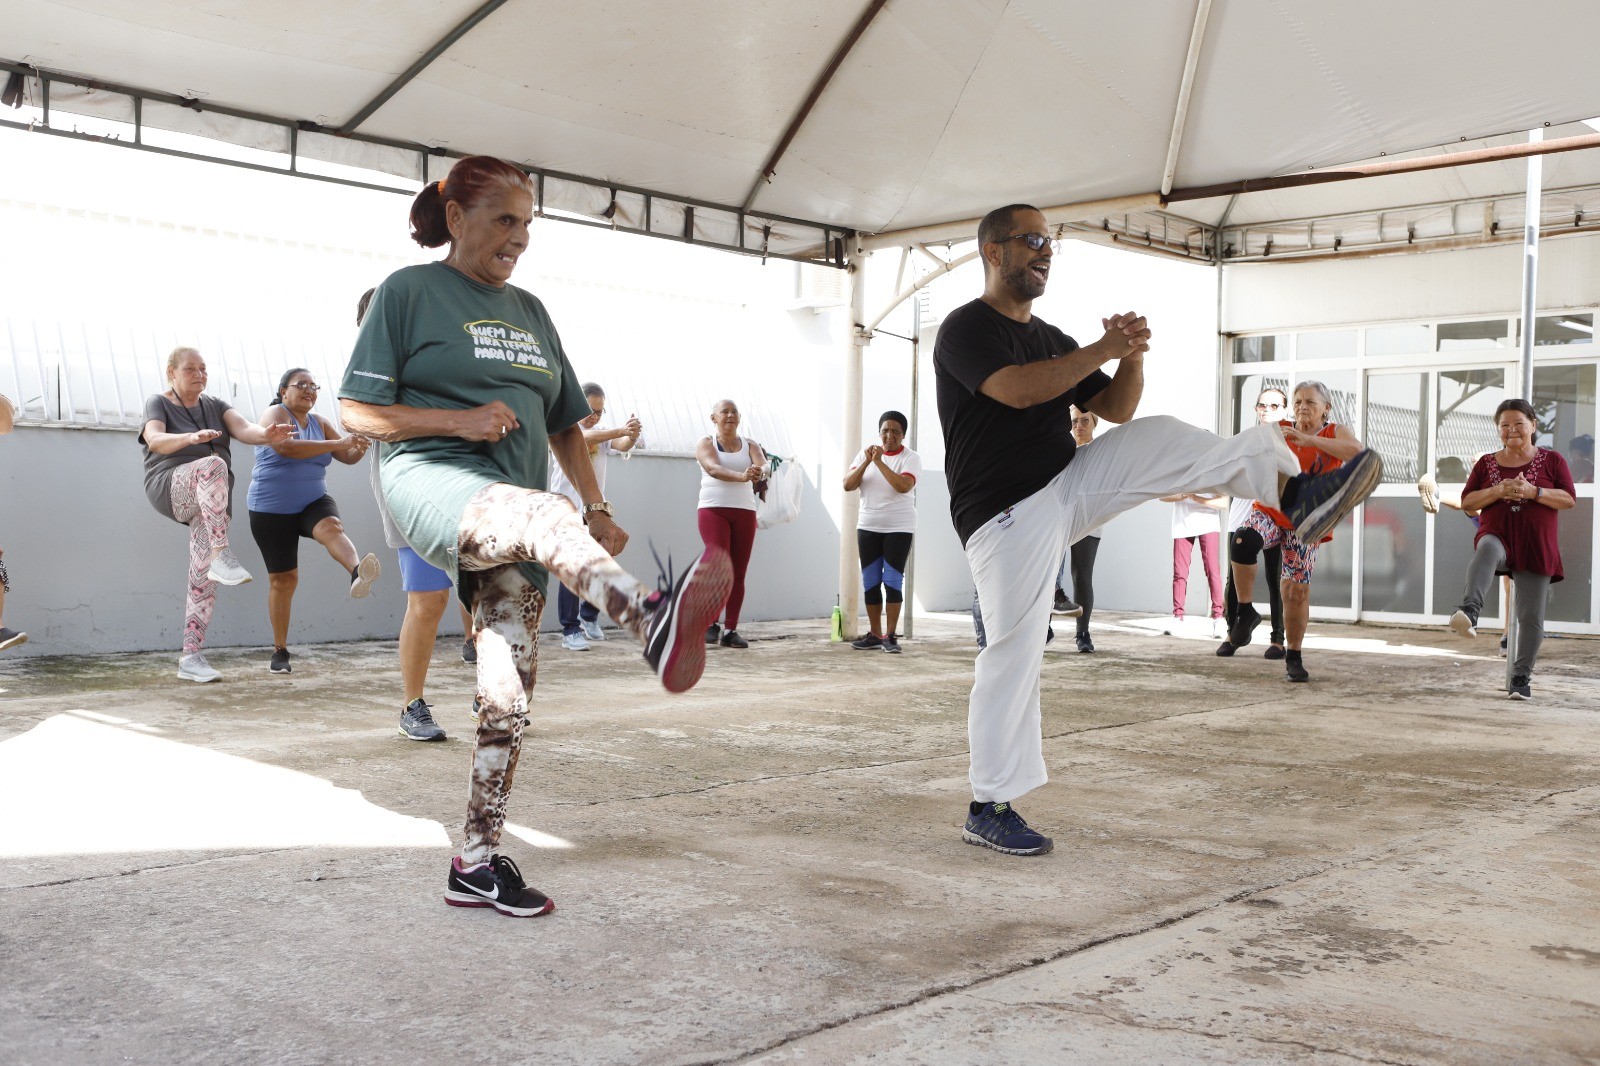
(461, 899)
(226, 581)
(289, 670)
(1462, 625)
(1074, 613)
(197, 679)
(1319, 523)
(22, 638)
(973, 838)
(367, 571)
(683, 659)
(408, 736)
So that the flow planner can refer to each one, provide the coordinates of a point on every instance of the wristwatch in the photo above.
(603, 507)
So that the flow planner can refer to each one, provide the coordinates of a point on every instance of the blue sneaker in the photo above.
(999, 826)
(1316, 502)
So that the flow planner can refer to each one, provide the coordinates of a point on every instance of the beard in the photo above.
(1021, 280)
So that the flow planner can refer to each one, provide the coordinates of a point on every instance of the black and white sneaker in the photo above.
(1464, 622)
(11, 638)
(999, 826)
(498, 884)
(1294, 669)
(1316, 502)
(469, 651)
(1520, 689)
(713, 633)
(674, 644)
(867, 642)
(891, 644)
(363, 575)
(1063, 607)
(280, 661)
(416, 722)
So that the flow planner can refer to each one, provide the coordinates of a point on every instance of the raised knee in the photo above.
(1245, 547)
(287, 580)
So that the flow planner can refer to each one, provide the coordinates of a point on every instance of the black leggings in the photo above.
(1083, 554)
(1273, 558)
(278, 535)
(883, 565)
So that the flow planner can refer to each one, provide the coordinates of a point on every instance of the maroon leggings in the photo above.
(733, 529)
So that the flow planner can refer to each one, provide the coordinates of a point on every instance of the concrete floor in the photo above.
(1391, 864)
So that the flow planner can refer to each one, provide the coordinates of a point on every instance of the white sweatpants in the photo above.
(1014, 557)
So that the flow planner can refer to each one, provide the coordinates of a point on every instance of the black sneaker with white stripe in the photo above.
(498, 884)
(1316, 502)
(999, 826)
(675, 640)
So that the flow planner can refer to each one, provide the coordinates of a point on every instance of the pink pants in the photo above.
(200, 501)
(1183, 558)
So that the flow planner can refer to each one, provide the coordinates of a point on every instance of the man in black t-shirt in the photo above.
(1006, 384)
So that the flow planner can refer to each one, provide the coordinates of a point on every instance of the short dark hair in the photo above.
(1520, 406)
(893, 416)
(996, 225)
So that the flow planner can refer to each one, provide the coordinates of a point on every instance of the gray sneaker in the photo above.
(10, 638)
(195, 668)
(592, 630)
(416, 722)
(362, 577)
(227, 570)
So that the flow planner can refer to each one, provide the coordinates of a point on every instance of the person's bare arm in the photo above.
(1034, 383)
(245, 431)
(572, 453)
(300, 449)
(852, 480)
(1343, 446)
(706, 453)
(392, 422)
(8, 414)
(1119, 401)
(158, 440)
(897, 481)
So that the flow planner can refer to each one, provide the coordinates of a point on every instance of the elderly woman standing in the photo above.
(1517, 492)
(188, 477)
(1321, 446)
(886, 475)
(288, 499)
(730, 465)
(464, 378)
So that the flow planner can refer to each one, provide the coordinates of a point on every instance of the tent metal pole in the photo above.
(856, 341)
(421, 64)
(1532, 209)
(907, 612)
(1180, 113)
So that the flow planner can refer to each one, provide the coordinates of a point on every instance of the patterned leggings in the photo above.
(503, 525)
(200, 501)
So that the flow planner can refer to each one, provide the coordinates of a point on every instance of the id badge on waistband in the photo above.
(1006, 518)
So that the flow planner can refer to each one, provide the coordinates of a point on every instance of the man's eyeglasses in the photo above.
(1035, 241)
(306, 385)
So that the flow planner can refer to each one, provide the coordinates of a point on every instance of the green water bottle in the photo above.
(836, 626)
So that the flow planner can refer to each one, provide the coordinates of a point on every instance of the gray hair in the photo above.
(591, 390)
(1324, 395)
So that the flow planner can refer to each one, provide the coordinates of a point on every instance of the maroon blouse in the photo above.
(1526, 528)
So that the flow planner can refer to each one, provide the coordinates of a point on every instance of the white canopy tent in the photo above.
(820, 131)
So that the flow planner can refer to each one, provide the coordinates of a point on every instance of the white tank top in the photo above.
(740, 494)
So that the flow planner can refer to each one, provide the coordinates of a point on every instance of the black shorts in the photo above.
(278, 535)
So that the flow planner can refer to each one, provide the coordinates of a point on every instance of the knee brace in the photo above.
(1245, 546)
(873, 597)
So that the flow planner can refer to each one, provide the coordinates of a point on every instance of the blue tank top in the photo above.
(280, 485)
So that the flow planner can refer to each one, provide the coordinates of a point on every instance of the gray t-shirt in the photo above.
(158, 469)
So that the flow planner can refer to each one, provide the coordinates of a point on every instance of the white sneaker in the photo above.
(366, 573)
(226, 570)
(1217, 630)
(574, 642)
(195, 668)
(592, 630)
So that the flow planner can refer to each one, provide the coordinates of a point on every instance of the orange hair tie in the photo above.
(440, 183)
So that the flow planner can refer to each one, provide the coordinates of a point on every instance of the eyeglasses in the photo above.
(306, 385)
(1269, 407)
(1035, 241)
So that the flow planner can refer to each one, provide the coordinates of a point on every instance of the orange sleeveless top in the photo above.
(1310, 459)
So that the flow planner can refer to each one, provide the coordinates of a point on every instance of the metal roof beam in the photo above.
(439, 49)
(770, 167)
(1180, 114)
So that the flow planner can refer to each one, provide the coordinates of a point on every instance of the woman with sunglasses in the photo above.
(289, 499)
(1271, 405)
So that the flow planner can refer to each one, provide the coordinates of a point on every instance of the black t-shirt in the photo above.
(997, 456)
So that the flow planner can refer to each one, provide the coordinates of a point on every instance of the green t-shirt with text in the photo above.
(435, 338)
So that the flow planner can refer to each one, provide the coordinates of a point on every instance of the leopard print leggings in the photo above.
(503, 525)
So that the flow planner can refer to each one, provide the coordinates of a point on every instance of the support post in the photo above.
(1532, 208)
(856, 340)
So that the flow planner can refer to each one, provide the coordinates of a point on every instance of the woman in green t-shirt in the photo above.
(464, 377)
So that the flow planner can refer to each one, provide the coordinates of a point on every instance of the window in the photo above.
(1332, 344)
(1265, 349)
(1464, 425)
(1399, 340)
(1563, 329)
(1247, 390)
(1394, 424)
(1467, 336)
